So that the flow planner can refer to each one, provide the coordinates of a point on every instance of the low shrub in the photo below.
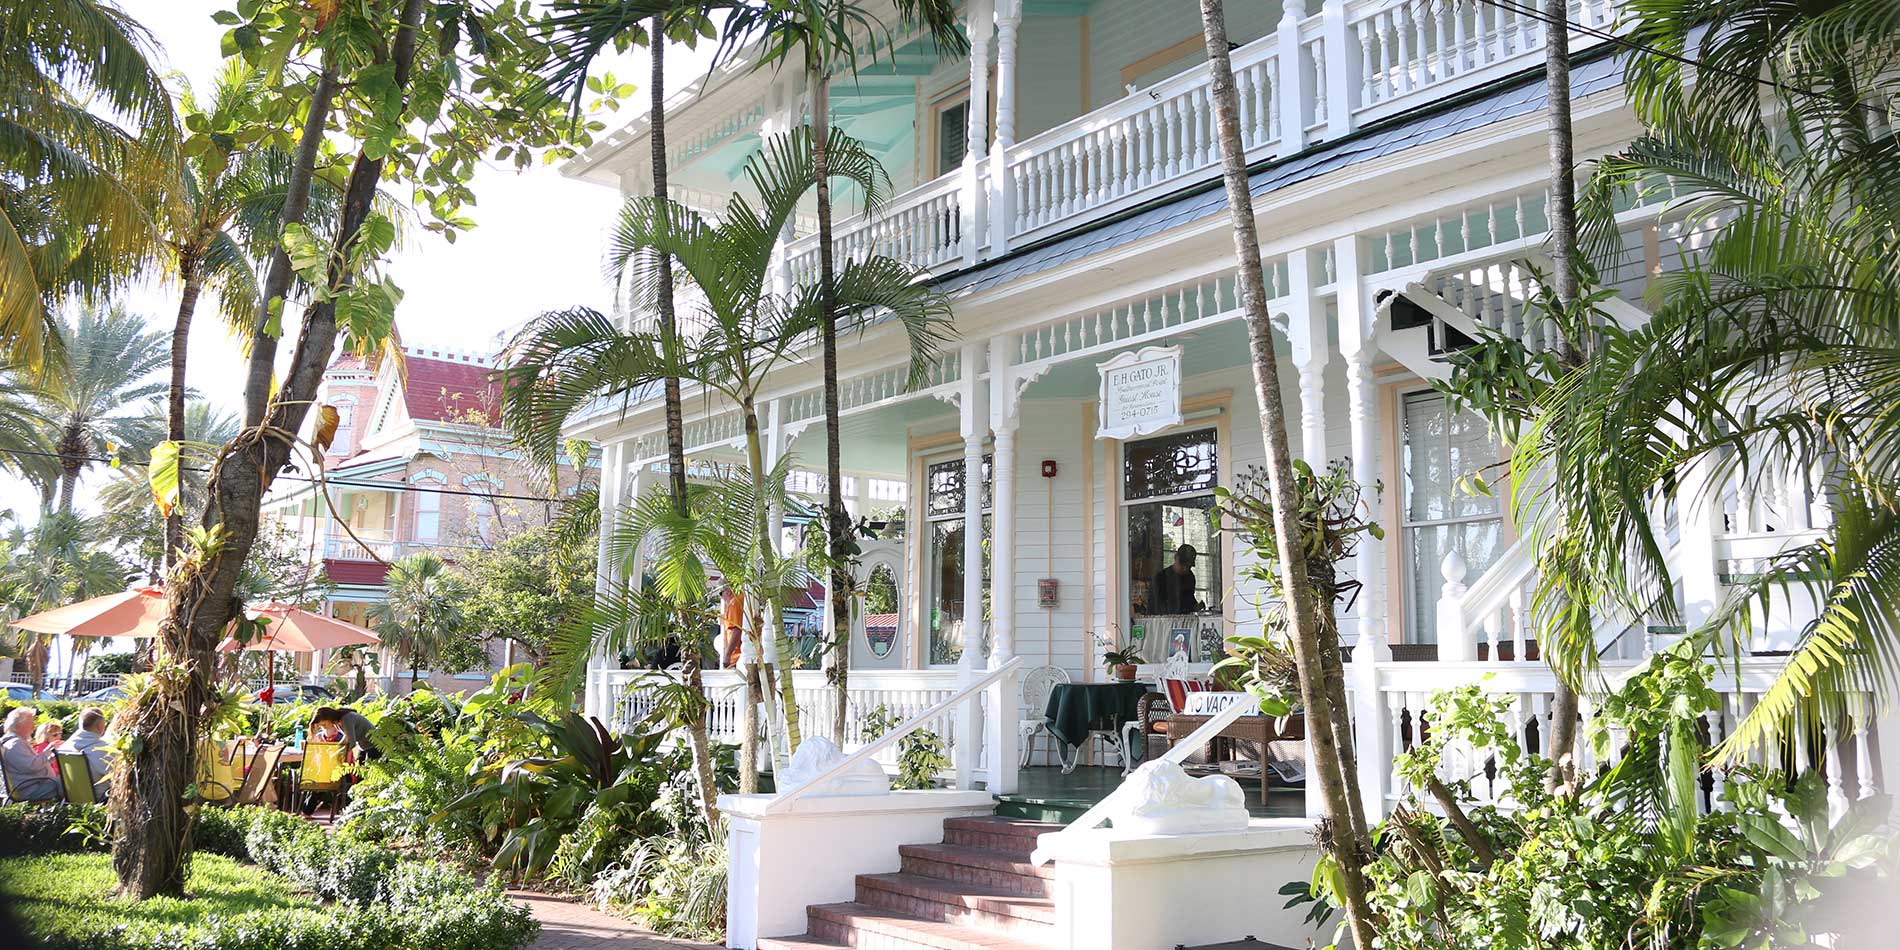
(46, 829)
(384, 901)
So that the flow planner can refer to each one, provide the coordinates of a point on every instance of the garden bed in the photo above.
(260, 880)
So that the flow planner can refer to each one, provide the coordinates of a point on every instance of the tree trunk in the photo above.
(837, 521)
(152, 838)
(1342, 839)
(277, 276)
(675, 425)
(766, 601)
(190, 275)
(73, 450)
(1563, 254)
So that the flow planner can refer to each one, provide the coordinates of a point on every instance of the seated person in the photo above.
(91, 741)
(30, 775)
(326, 731)
(351, 723)
(48, 735)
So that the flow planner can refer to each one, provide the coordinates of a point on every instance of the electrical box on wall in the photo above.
(1048, 468)
(1048, 593)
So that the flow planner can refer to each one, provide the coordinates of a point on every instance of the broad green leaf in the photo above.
(162, 474)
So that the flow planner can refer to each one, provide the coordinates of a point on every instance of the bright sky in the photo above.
(537, 244)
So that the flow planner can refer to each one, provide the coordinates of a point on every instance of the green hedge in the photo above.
(383, 901)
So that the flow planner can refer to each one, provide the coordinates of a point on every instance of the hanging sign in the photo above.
(1141, 392)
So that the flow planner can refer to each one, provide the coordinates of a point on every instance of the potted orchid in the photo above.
(1122, 662)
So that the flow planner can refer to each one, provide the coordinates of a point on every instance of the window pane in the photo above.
(945, 579)
(1174, 569)
(1480, 542)
(1170, 465)
(943, 488)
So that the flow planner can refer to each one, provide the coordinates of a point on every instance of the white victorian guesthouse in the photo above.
(1045, 495)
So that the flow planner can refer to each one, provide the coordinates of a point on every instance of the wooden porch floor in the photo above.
(1045, 794)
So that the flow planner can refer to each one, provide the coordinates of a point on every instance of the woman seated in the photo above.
(48, 736)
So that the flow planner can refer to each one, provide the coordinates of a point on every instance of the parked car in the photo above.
(297, 693)
(21, 692)
(107, 694)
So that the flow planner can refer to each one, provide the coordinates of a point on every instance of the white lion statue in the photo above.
(1161, 798)
(815, 755)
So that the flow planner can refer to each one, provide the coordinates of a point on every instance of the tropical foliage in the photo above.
(1766, 358)
(420, 618)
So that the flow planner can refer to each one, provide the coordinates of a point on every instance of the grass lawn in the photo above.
(68, 895)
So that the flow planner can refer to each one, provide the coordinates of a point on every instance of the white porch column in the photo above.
(594, 698)
(1002, 210)
(1004, 697)
(973, 219)
(973, 401)
(1370, 649)
(1306, 328)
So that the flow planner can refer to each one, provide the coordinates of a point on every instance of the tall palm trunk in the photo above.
(767, 605)
(1563, 254)
(837, 522)
(1341, 834)
(191, 275)
(72, 450)
(690, 657)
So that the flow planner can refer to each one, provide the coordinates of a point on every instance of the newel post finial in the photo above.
(1456, 641)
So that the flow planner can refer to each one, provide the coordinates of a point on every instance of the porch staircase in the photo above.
(974, 891)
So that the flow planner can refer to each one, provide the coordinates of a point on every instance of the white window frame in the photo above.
(932, 596)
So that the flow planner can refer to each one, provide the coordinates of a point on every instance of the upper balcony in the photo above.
(1111, 99)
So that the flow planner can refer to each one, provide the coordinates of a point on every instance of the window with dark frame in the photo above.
(945, 492)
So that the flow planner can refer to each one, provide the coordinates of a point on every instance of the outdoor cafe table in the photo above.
(1077, 709)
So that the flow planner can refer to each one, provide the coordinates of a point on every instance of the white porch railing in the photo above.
(1316, 78)
(364, 549)
(904, 694)
(970, 692)
(1843, 752)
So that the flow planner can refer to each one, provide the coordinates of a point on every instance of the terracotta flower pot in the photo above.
(1125, 672)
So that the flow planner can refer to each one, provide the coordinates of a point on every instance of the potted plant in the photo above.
(1123, 663)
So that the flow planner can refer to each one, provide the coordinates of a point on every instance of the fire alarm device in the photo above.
(1048, 468)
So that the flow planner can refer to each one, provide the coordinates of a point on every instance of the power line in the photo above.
(384, 486)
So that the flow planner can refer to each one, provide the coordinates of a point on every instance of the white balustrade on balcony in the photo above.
(346, 548)
(1317, 77)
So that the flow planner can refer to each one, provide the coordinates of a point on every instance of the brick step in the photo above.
(878, 928)
(955, 862)
(1009, 835)
(800, 942)
(955, 902)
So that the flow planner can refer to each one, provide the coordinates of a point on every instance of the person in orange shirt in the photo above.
(732, 624)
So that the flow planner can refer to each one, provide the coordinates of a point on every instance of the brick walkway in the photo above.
(569, 925)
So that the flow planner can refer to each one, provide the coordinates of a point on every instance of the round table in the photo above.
(1077, 711)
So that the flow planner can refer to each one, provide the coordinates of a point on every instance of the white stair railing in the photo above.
(965, 693)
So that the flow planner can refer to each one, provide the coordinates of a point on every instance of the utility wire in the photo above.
(385, 486)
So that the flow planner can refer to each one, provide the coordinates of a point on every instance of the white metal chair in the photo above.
(1038, 683)
(1135, 734)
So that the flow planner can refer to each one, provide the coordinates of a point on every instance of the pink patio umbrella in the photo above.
(296, 630)
(128, 613)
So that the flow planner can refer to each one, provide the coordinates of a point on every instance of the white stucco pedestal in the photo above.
(812, 852)
(1125, 891)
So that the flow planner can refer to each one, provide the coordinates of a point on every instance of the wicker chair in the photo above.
(1038, 683)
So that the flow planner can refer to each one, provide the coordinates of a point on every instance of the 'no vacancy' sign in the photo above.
(1141, 392)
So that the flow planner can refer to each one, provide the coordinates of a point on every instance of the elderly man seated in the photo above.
(30, 775)
(91, 741)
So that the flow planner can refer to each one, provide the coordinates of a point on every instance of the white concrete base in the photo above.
(813, 852)
(1124, 891)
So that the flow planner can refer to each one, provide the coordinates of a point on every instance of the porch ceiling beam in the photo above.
(901, 64)
(1056, 8)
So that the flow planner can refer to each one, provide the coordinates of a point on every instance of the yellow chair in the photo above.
(219, 775)
(75, 773)
(325, 772)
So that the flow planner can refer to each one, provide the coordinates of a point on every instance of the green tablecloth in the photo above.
(1076, 708)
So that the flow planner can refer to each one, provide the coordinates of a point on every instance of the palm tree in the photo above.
(24, 449)
(57, 562)
(824, 36)
(1769, 352)
(418, 618)
(87, 134)
(562, 360)
(1323, 695)
(98, 400)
